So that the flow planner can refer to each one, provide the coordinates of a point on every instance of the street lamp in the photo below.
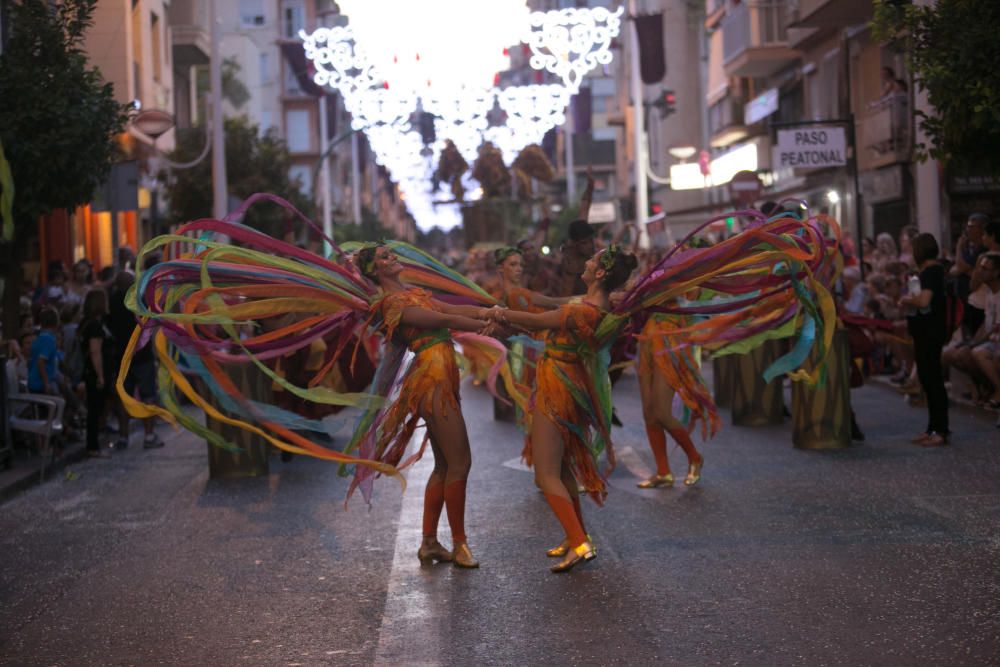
(682, 153)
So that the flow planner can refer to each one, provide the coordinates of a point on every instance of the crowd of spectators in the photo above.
(953, 331)
(74, 329)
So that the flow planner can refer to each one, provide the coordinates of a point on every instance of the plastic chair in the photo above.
(38, 414)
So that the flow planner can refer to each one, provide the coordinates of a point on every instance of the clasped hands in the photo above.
(495, 318)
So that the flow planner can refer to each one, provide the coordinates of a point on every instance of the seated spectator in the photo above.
(957, 354)
(986, 345)
(906, 236)
(885, 252)
(43, 360)
(855, 292)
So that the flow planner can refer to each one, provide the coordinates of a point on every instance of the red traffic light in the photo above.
(669, 97)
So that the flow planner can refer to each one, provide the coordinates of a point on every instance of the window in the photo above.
(297, 131)
(252, 13)
(293, 18)
(154, 35)
(264, 65)
(303, 174)
(292, 87)
(265, 122)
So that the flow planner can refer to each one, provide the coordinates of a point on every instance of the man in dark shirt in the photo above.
(142, 372)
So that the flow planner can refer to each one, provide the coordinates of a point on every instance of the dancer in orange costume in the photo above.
(667, 366)
(429, 392)
(568, 427)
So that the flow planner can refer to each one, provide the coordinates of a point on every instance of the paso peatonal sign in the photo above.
(811, 148)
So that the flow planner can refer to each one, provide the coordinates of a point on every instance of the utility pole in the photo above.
(355, 179)
(639, 133)
(220, 189)
(324, 142)
(570, 166)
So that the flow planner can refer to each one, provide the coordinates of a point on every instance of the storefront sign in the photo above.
(720, 170)
(761, 107)
(811, 147)
(882, 185)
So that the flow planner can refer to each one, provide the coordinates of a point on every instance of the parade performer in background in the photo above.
(667, 365)
(570, 407)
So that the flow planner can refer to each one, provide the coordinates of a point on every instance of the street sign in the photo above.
(745, 187)
(811, 147)
(120, 192)
(602, 212)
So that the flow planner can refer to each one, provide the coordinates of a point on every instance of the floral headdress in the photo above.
(366, 257)
(608, 257)
(500, 255)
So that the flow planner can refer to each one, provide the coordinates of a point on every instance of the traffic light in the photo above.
(668, 103)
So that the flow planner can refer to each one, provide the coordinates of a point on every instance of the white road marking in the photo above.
(413, 617)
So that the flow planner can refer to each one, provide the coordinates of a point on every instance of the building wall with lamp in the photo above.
(130, 42)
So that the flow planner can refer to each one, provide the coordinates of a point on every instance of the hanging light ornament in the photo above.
(340, 62)
(571, 42)
(428, 44)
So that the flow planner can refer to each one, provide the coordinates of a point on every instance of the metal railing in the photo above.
(884, 133)
(727, 112)
(752, 25)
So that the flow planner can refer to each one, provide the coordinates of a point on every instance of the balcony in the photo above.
(725, 122)
(829, 14)
(189, 27)
(884, 135)
(755, 39)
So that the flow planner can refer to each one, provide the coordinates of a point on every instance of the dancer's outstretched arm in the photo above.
(424, 318)
(551, 319)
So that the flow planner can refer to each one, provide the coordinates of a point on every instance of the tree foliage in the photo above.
(254, 163)
(952, 50)
(58, 118)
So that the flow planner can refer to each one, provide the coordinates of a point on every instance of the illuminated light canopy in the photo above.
(433, 43)
(571, 42)
(400, 56)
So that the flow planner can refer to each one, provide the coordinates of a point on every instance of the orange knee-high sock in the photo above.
(578, 510)
(683, 439)
(563, 509)
(454, 502)
(433, 504)
(658, 443)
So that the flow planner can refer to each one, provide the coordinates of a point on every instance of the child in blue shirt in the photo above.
(43, 361)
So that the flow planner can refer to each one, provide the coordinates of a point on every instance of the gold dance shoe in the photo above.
(694, 472)
(462, 556)
(432, 552)
(657, 481)
(574, 556)
(563, 548)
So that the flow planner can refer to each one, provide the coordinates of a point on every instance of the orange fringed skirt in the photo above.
(555, 373)
(678, 366)
(431, 386)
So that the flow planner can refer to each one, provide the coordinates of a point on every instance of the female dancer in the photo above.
(569, 421)
(510, 265)
(429, 392)
(666, 367)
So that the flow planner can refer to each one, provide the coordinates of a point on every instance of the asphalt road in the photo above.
(881, 553)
